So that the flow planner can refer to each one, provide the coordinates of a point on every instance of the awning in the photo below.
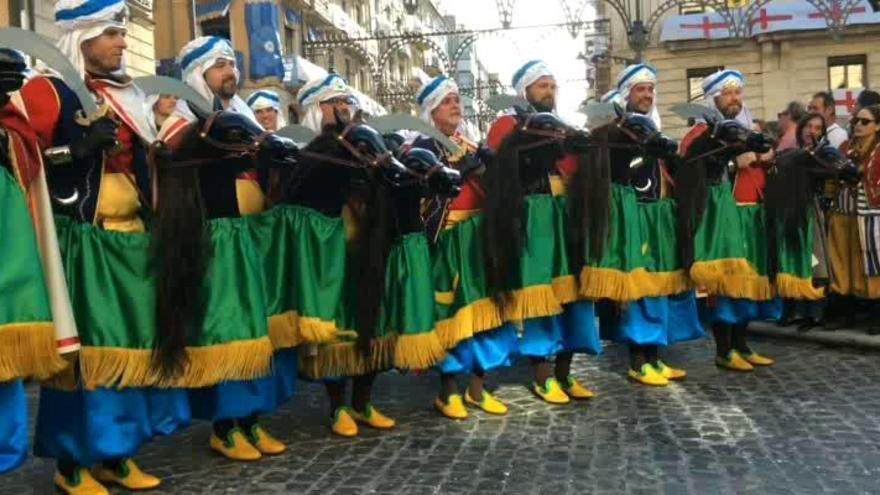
(307, 71)
(212, 10)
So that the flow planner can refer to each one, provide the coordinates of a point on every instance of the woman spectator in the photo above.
(854, 223)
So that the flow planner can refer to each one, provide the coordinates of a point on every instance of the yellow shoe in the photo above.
(669, 372)
(82, 483)
(128, 475)
(343, 423)
(577, 391)
(372, 417)
(551, 392)
(649, 376)
(263, 441)
(488, 403)
(734, 362)
(235, 446)
(756, 359)
(453, 408)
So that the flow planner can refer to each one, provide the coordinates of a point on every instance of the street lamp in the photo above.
(411, 6)
(505, 12)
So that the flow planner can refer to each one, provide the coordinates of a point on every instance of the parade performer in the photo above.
(468, 321)
(266, 105)
(640, 268)
(108, 405)
(231, 269)
(524, 246)
(27, 335)
(853, 220)
(728, 252)
(387, 295)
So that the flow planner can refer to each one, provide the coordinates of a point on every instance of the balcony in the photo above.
(322, 9)
(343, 22)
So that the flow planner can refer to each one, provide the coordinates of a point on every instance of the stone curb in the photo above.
(846, 338)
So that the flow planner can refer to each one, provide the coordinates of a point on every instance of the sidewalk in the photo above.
(846, 337)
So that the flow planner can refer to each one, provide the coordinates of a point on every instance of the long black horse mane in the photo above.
(180, 247)
(370, 202)
(691, 193)
(502, 229)
(589, 193)
(790, 190)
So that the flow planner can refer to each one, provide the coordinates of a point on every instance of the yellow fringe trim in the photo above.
(418, 352)
(289, 329)
(532, 302)
(479, 316)
(791, 287)
(28, 350)
(732, 277)
(209, 365)
(607, 283)
(345, 359)
(566, 289)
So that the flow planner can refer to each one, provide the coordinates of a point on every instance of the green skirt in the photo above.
(543, 281)
(730, 248)
(302, 253)
(406, 336)
(27, 337)
(794, 279)
(462, 303)
(640, 256)
(111, 280)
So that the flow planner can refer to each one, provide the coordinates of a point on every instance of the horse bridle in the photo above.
(234, 151)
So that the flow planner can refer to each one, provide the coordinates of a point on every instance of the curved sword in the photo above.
(300, 134)
(399, 121)
(162, 85)
(42, 49)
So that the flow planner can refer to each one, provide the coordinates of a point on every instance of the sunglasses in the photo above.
(338, 101)
(862, 121)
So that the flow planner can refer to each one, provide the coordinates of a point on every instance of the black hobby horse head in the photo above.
(219, 145)
(706, 161)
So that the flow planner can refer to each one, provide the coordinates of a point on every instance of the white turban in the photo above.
(432, 93)
(527, 74)
(634, 75)
(81, 20)
(715, 84)
(317, 91)
(199, 55)
(266, 98)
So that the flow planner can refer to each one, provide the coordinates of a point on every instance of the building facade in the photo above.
(786, 49)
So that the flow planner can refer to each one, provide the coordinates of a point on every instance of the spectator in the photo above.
(866, 98)
(810, 130)
(823, 104)
(788, 121)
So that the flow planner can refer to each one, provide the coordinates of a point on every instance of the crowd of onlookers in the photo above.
(805, 126)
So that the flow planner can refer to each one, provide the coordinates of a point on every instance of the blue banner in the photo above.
(263, 26)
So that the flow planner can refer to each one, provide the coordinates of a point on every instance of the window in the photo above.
(847, 72)
(216, 27)
(692, 8)
(348, 69)
(695, 80)
(289, 40)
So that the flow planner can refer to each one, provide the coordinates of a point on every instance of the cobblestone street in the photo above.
(809, 425)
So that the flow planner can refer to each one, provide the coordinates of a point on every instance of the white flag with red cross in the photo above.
(845, 100)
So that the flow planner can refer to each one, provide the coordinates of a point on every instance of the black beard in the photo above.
(542, 106)
(726, 112)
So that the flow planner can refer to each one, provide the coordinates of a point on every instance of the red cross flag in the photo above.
(845, 100)
(765, 19)
(707, 26)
